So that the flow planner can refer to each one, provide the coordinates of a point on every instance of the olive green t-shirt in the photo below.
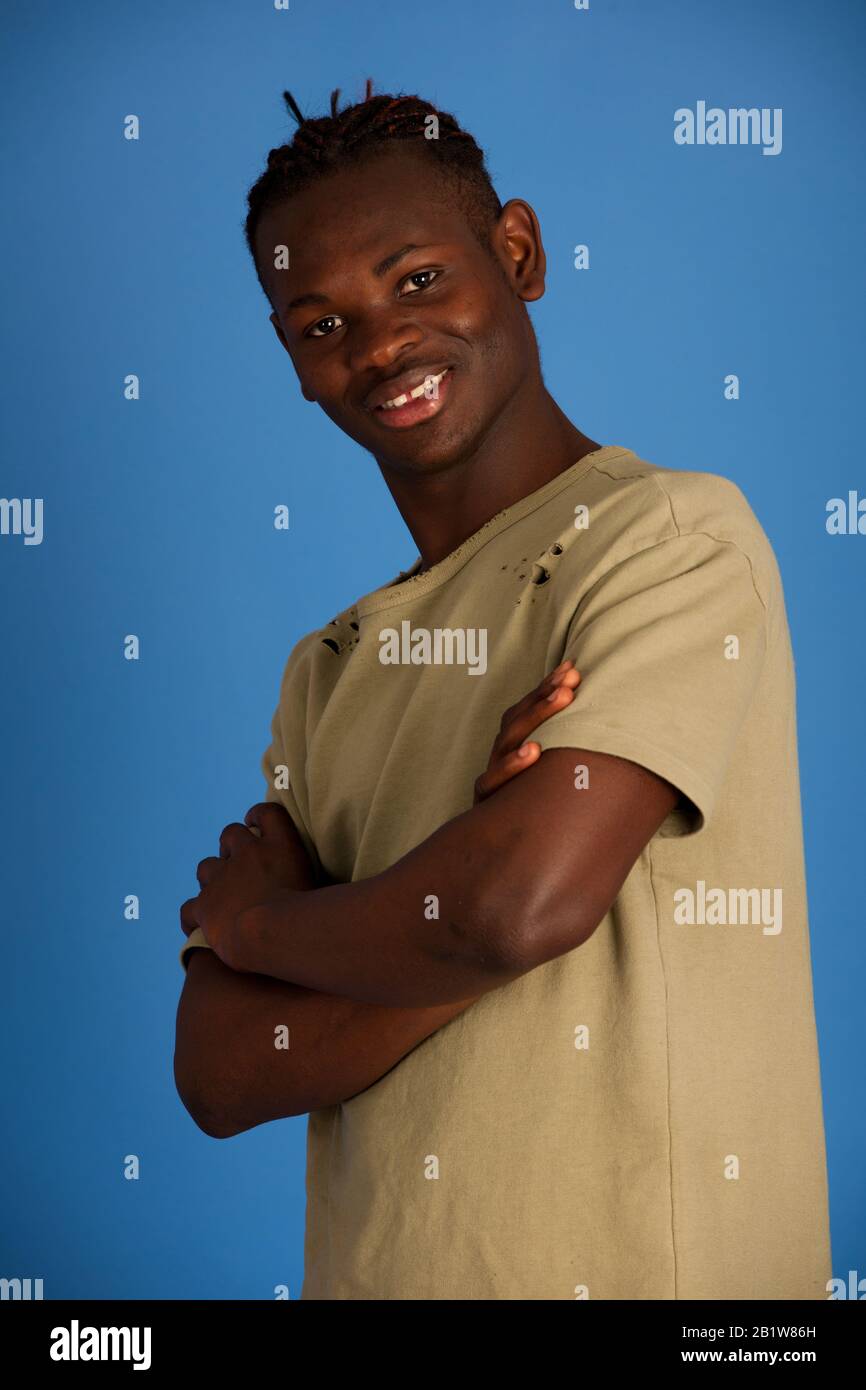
(640, 1118)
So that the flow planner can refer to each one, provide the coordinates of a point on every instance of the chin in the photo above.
(433, 455)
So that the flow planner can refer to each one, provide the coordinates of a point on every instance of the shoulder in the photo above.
(316, 659)
(634, 504)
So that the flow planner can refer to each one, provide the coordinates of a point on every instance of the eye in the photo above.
(317, 330)
(416, 275)
(312, 333)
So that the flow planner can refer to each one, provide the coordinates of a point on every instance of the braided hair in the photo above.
(328, 144)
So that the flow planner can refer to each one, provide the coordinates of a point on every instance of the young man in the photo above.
(554, 1030)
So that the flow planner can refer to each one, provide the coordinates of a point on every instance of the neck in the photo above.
(530, 442)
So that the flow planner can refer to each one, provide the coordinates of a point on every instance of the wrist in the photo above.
(254, 933)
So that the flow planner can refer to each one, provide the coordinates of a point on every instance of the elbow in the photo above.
(210, 1121)
(212, 1125)
(208, 1116)
(524, 927)
(558, 929)
(221, 1108)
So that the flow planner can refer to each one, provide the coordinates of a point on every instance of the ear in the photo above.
(517, 242)
(282, 337)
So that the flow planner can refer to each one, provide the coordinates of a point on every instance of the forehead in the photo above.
(366, 210)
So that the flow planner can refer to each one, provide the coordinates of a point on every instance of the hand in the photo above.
(257, 861)
(510, 755)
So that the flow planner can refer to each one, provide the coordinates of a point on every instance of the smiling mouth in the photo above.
(429, 384)
(421, 403)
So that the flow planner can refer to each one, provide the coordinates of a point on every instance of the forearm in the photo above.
(432, 929)
(230, 1071)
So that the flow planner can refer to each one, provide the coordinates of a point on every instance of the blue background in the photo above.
(124, 257)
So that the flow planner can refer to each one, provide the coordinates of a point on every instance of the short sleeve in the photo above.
(281, 764)
(670, 644)
(193, 941)
(278, 779)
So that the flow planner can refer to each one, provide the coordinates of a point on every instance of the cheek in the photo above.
(484, 318)
(322, 382)
(472, 313)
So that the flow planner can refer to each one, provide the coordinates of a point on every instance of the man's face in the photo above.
(366, 320)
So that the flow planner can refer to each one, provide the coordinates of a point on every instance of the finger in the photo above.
(269, 819)
(545, 685)
(233, 836)
(519, 726)
(189, 916)
(207, 868)
(504, 768)
(504, 740)
(559, 671)
(569, 680)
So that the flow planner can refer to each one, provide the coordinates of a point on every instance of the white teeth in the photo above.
(414, 394)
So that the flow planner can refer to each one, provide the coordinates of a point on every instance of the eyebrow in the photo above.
(379, 270)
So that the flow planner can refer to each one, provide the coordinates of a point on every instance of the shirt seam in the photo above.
(330, 1187)
(720, 540)
(654, 545)
(399, 595)
(568, 717)
(667, 1069)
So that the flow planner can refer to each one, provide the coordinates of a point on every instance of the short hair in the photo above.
(329, 144)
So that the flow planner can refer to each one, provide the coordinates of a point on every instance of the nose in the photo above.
(382, 340)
